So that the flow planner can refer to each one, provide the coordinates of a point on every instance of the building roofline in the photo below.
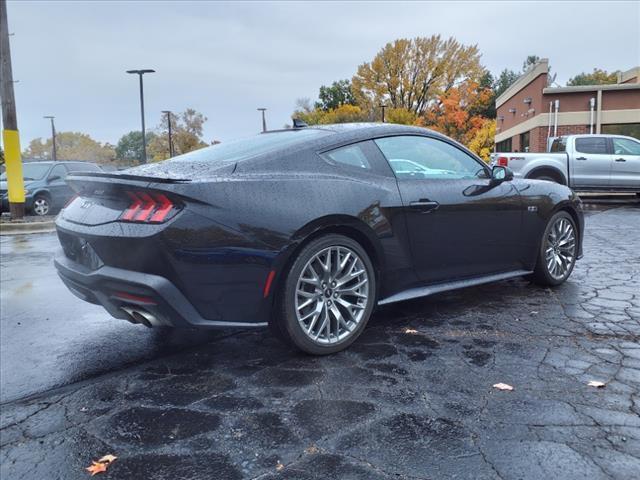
(591, 88)
(523, 80)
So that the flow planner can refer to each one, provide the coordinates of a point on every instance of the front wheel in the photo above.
(327, 297)
(41, 205)
(557, 252)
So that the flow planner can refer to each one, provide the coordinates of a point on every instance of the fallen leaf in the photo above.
(411, 331)
(101, 465)
(279, 466)
(596, 383)
(97, 467)
(503, 386)
(312, 450)
(108, 459)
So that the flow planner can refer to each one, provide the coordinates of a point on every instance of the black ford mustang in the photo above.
(307, 229)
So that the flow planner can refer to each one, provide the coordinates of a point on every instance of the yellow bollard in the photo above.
(13, 164)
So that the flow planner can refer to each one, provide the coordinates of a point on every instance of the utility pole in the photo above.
(11, 138)
(140, 73)
(168, 113)
(54, 152)
(264, 121)
(383, 107)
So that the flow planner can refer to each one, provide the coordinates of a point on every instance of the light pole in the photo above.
(140, 73)
(54, 152)
(264, 121)
(168, 113)
(383, 107)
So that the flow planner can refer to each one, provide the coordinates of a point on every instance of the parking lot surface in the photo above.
(412, 398)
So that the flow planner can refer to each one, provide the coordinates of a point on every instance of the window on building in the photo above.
(626, 129)
(504, 146)
(597, 145)
(524, 142)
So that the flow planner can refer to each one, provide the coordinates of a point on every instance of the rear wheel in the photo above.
(327, 297)
(558, 251)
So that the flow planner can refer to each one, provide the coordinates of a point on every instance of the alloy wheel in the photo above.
(41, 206)
(332, 294)
(560, 248)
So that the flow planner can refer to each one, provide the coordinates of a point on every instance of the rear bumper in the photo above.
(119, 290)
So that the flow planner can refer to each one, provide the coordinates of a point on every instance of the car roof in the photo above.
(353, 132)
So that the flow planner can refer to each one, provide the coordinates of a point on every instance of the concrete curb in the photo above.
(24, 228)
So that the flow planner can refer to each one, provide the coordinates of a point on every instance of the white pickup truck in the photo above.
(583, 162)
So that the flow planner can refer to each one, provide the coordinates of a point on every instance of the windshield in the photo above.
(31, 171)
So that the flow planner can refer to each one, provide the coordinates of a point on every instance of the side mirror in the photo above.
(53, 178)
(501, 174)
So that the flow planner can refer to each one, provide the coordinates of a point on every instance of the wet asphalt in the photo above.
(412, 398)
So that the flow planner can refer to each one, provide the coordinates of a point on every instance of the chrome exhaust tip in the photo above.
(141, 316)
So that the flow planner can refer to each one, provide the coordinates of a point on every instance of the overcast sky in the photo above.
(226, 59)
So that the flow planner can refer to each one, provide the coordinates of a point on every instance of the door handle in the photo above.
(581, 158)
(621, 160)
(424, 205)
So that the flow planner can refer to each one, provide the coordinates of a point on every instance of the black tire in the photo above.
(41, 205)
(284, 321)
(547, 178)
(542, 274)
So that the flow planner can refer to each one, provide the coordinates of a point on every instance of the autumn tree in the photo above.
(412, 73)
(452, 115)
(597, 77)
(337, 94)
(345, 113)
(483, 140)
(186, 134)
(71, 146)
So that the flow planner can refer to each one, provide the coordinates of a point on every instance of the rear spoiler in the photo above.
(127, 176)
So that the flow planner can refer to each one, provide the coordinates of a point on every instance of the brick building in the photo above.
(529, 111)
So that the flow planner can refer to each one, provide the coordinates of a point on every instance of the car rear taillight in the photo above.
(503, 161)
(148, 207)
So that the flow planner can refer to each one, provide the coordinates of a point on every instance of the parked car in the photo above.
(583, 162)
(307, 230)
(45, 188)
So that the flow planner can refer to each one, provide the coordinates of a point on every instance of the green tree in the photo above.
(129, 147)
(339, 93)
(412, 73)
(503, 81)
(529, 62)
(71, 146)
(597, 77)
(186, 134)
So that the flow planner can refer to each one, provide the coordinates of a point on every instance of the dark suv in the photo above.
(45, 188)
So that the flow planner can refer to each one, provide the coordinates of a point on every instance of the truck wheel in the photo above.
(557, 252)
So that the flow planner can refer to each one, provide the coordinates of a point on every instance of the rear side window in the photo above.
(559, 145)
(350, 156)
(592, 145)
(624, 146)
